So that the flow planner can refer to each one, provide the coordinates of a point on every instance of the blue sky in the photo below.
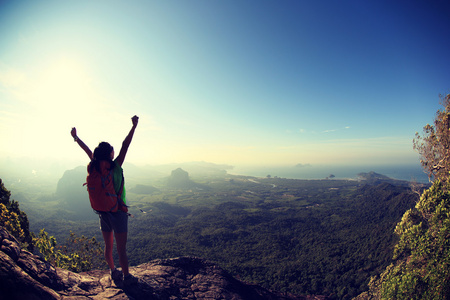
(236, 82)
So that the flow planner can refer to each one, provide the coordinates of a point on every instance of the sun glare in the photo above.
(53, 99)
(64, 84)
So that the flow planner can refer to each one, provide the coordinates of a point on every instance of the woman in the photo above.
(113, 224)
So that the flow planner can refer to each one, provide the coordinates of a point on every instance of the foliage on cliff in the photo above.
(434, 145)
(13, 219)
(421, 268)
(79, 254)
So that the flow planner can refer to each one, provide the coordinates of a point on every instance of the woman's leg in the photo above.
(108, 237)
(121, 241)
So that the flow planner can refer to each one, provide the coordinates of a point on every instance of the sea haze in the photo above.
(400, 172)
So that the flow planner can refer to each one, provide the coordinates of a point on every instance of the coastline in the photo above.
(413, 173)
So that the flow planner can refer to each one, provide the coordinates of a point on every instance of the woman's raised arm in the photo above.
(126, 143)
(83, 146)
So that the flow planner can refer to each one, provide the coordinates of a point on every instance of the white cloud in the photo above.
(334, 130)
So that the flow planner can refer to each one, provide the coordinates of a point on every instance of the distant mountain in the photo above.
(72, 182)
(199, 168)
(179, 178)
(152, 174)
(71, 193)
(376, 178)
(373, 176)
(300, 165)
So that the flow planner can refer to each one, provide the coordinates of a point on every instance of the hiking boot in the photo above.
(129, 280)
(116, 276)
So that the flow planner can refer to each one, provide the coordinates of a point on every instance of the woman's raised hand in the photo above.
(135, 120)
(73, 132)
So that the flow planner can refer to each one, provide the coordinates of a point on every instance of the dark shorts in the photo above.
(117, 221)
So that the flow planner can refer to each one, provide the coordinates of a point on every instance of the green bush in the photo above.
(14, 220)
(80, 254)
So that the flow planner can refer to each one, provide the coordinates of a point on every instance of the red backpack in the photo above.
(100, 186)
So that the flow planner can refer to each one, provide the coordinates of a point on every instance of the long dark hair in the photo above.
(102, 153)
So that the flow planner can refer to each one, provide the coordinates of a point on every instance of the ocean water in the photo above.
(400, 172)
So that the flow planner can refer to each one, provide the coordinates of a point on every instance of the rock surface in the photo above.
(26, 276)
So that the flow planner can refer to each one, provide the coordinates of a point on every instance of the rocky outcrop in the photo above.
(26, 276)
(179, 178)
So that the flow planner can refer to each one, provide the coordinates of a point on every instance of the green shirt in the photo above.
(117, 178)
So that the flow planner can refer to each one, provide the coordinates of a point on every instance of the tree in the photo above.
(421, 269)
(434, 145)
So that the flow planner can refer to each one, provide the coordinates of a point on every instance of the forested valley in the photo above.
(318, 237)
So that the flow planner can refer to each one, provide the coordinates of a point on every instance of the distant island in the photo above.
(300, 165)
(373, 176)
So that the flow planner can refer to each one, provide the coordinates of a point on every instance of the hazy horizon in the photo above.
(49, 172)
(230, 82)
